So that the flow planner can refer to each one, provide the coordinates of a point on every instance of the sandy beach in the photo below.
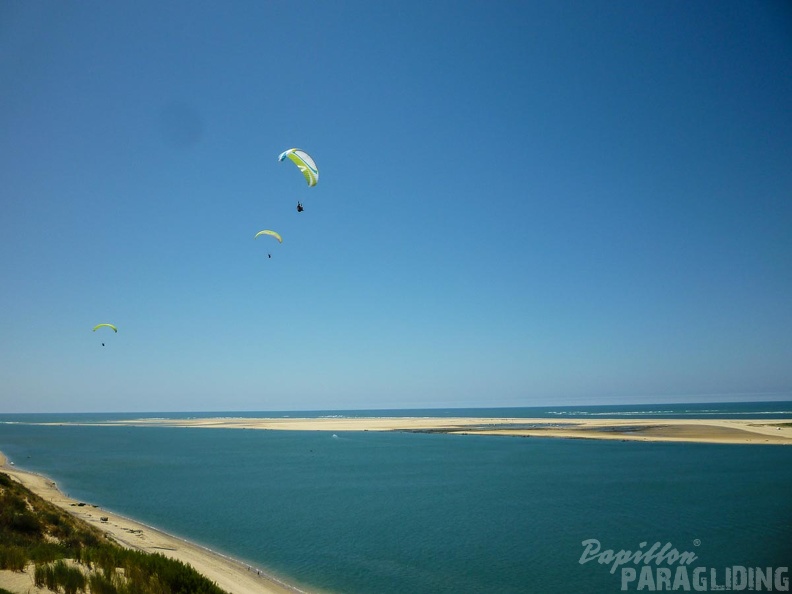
(732, 431)
(230, 575)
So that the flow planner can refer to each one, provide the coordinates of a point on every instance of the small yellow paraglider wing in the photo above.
(113, 328)
(271, 233)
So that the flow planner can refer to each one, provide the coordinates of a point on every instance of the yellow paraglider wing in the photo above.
(113, 328)
(304, 162)
(272, 233)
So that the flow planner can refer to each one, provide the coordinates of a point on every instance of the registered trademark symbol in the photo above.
(696, 542)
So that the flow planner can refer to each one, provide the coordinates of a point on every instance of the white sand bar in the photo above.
(735, 431)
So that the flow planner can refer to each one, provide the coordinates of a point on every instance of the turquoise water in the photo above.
(401, 512)
(731, 410)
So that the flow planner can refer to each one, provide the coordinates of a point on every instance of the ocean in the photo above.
(369, 512)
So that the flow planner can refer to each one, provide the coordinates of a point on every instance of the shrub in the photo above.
(23, 522)
(101, 585)
(40, 575)
(70, 579)
(46, 552)
(49, 578)
(13, 558)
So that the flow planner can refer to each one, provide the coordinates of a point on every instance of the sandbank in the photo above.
(732, 431)
(229, 574)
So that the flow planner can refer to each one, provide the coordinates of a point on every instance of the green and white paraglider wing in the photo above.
(304, 162)
(270, 233)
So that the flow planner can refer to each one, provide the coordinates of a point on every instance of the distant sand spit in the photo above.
(733, 431)
(228, 574)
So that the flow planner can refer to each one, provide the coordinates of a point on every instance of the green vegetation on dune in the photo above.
(70, 556)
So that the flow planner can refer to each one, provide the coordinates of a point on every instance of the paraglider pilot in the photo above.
(300, 207)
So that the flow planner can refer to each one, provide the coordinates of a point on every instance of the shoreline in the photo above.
(228, 573)
(724, 431)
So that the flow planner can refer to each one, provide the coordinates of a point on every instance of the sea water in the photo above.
(408, 512)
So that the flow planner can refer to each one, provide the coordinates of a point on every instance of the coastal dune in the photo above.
(229, 574)
(731, 431)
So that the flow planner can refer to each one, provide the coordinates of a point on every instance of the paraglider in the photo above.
(113, 328)
(274, 234)
(305, 164)
(300, 207)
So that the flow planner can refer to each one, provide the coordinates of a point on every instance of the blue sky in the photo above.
(520, 203)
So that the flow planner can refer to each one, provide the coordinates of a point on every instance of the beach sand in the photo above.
(230, 575)
(733, 431)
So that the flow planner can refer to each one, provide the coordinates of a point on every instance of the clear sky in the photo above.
(520, 203)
